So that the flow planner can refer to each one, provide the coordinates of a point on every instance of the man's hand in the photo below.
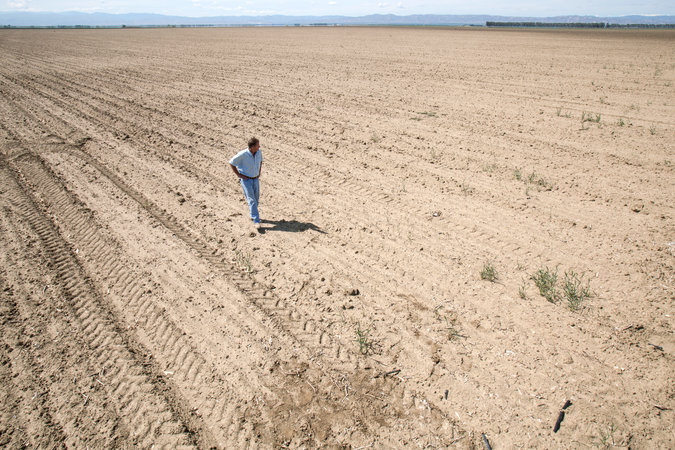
(234, 169)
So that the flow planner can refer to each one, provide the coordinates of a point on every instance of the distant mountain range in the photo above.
(101, 19)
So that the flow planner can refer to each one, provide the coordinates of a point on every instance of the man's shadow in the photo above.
(292, 226)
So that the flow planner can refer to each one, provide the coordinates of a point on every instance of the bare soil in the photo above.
(140, 307)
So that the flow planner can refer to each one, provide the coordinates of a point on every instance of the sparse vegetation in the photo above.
(466, 189)
(652, 130)
(575, 290)
(522, 291)
(453, 332)
(538, 181)
(374, 138)
(488, 272)
(363, 340)
(244, 261)
(590, 117)
(518, 174)
(489, 168)
(546, 280)
(620, 122)
(608, 438)
(559, 112)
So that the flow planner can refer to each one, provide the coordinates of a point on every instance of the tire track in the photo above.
(277, 309)
(279, 312)
(170, 345)
(26, 414)
(229, 410)
(149, 416)
(273, 306)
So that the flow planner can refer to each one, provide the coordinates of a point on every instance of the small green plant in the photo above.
(522, 291)
(590, 117)
(546, 280)
(559, 112)
(609, 438)
(652, 130)
(453, 332)
(244, 261)
(488, 272)
(518, 174)
(364, 340)
(375, 138)
(620, 122)
(533, 178)
(603, 100)
(575, 290)
(489, 168)
(466, 189)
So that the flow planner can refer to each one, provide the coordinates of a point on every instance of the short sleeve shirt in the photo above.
(247, 163)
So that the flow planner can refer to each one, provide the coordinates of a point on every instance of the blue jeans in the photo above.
(252, 194)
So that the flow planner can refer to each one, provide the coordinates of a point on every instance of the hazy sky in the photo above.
(195, 8)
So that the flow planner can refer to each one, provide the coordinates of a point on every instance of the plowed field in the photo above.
(464, 232)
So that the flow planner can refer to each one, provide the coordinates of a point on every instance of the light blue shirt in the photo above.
(247, 163)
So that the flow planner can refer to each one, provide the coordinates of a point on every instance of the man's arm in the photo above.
(234, 169)
(260, 170)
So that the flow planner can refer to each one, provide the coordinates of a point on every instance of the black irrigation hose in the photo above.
(485, 441)
(561, 416)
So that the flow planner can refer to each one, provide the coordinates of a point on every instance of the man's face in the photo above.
(255, 148)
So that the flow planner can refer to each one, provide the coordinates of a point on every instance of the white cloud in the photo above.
(383, 5)
(18, 4)
(332, 3)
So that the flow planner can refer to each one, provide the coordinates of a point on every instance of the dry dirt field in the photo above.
(422, 189)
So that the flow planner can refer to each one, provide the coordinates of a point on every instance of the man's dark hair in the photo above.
(252, 142)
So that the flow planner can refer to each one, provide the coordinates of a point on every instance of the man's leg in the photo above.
(256, 191)
(251, 198)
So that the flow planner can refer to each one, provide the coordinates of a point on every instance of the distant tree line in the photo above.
(488, 24)
(576, 25)
(50, 27)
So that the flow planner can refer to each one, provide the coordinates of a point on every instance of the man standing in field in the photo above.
(247, 165)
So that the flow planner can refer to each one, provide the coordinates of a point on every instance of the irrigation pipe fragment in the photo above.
(561, 416)
(485, 441)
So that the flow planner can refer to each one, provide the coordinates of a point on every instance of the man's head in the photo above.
(253, 145)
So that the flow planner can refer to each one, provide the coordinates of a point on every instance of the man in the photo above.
(247, 165)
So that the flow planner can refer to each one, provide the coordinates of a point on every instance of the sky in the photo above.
(200, 8)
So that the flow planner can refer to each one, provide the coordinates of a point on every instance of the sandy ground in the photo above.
(416, 183)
